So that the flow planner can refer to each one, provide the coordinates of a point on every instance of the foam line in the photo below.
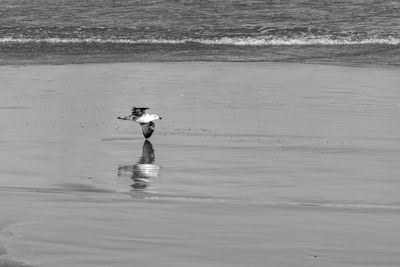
(239, 41)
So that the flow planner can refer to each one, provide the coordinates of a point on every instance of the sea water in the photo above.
(345, 32)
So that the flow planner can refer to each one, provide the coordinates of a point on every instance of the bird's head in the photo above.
(155, 117)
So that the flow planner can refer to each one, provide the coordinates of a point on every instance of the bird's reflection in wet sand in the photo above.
(144, 170)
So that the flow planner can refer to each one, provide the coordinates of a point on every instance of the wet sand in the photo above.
(253, 164)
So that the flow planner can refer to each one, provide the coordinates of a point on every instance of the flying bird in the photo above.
(146, 120)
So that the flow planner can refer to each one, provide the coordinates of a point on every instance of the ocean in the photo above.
(335, 32)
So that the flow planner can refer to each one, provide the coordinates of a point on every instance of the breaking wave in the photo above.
(235, 41)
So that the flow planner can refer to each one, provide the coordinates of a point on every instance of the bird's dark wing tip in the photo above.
(138, 111)
(139, 108)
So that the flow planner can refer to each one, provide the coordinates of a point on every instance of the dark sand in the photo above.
(256, 164)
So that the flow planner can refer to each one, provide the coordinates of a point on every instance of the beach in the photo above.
(253, 164)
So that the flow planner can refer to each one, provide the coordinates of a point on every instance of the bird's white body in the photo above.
(146, 118)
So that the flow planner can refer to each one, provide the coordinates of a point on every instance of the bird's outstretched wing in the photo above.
(148, 129)
(138, 112)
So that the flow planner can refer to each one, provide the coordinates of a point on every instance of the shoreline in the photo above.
(341, 55)
(21, 63)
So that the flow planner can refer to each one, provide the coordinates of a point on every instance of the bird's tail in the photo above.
(124, 118)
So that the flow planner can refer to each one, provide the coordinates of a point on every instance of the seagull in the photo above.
(146, 120)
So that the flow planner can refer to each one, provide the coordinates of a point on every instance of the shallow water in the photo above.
(253, 163)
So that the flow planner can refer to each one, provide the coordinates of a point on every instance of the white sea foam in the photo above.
(239, 41)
